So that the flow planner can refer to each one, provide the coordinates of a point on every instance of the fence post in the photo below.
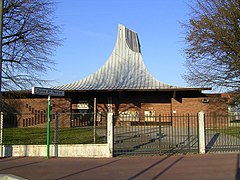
(201, 133)
(188, 129)
(110, 133)
(56, 136)
(94, 120)
(160, 135)
(1, 134)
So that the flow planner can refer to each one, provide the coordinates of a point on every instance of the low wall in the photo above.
(70, 150)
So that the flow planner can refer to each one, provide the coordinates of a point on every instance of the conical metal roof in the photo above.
(124, 70)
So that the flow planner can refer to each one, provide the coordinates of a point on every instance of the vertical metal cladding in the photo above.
(125, 69)
(132, 40)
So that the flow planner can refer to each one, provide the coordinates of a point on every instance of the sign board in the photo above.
(83, 105)
(47, 91)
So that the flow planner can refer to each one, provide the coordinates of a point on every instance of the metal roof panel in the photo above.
(124, 70)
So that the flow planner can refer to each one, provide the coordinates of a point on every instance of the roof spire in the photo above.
(124, 70)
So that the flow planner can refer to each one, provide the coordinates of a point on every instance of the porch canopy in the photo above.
(123, 71)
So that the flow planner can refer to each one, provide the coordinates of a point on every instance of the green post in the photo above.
(48, 126)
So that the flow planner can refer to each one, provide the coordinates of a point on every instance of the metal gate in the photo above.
(165, 134)
(222, 133)
(171, 134)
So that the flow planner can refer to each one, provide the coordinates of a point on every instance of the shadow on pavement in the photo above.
(5, 159)
(167, 168)
(238, 167)
(155, 164)
(85, 170)
(22, 165)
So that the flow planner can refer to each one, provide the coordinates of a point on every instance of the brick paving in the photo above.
(209, 166)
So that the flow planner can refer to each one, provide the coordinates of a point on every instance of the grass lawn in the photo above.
(233, 131)
(27, 136)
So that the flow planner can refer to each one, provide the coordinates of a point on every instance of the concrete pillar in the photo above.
(201, 133)
(110, 133)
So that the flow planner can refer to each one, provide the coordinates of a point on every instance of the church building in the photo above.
(123, 85)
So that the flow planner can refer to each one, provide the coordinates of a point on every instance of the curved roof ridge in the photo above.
(124, 69)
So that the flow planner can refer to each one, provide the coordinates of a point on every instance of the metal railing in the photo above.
(163, 134)
(170, 134)
(222, 132)
(133, 134)
(66, 128)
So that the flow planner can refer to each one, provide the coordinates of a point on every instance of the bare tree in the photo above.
(29, 39)
(213, 44)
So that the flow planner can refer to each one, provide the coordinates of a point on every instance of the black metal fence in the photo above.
(170, 134)
(89, 128)
(164, 134)
(133, 134)
(65, 128)
(222, 133)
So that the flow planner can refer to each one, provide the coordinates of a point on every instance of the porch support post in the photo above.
(201, 133)
(110, 133)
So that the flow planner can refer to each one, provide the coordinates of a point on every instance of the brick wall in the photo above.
(194, 105)
(29, 112)
(33, 110)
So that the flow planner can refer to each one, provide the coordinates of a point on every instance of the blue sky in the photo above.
(89, 30)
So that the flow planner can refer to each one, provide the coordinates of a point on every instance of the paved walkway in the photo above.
(210, 166)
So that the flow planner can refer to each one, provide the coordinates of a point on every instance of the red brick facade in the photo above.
(32, 111)
(29, 112)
